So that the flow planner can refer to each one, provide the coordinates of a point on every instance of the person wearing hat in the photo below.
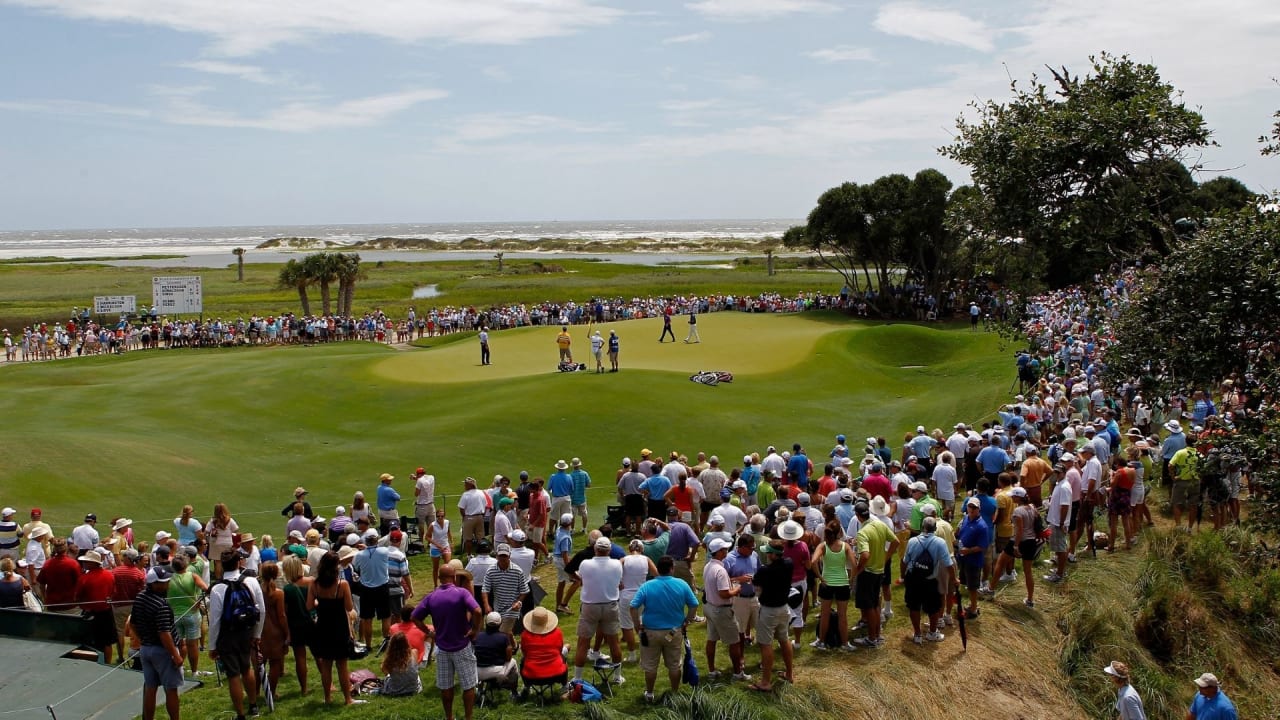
(1211, 703)
(1175, 441)
(1128, 704)
(722, 625)
(495, 651)
(876, 543)
(633, 503)
(540, 648)
(580, 481)
(471, 506)
(10, 535)
(504, 588)
(792, 533)
(299, 496)
(386, 501)
(560, 553)
(35, 555)
(252, 556)
(563, 341)
(93, 593)
(424, 501)
(372, 566)
(597, 350)
(920, 493)
(772, 584)
(660, 610)
(560, 487)
(502, 519)
(85, 536)
(1184, 468)
(928, 571)
(152, 621)
(974, 535)
(455, 615)
(233, 644)
(37, 521)
(601, 579)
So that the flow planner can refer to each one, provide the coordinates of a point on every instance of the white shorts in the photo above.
(1138, 494)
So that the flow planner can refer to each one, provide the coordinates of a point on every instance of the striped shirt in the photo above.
(505, 586)
(151, 616)
(397, 570)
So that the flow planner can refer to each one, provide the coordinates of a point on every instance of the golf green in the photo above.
(142, 434)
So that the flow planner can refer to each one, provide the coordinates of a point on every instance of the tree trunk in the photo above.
(325, 299)
(342, 296)
(306, 301)
(768, 260)
(240, 267)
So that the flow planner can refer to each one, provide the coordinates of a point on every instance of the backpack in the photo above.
(239, 611)
(581, 691)
(922, 565)
(364, 682)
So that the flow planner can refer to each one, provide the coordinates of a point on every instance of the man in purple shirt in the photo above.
(682, 547)
(457, 619)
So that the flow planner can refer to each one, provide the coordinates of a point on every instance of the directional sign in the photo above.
(181, 295)
(115, 304)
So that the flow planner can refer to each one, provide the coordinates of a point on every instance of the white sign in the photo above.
(180, 295)
(115, 304)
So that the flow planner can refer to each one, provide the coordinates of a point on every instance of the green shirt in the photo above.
(765, 495)
(873, 538)
(1185, 465)
(183, 593)
(917, 511)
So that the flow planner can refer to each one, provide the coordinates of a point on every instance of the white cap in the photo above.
(493, 618)
(566, 519)
(604, 543)
(353, 539)
(371, 535)
(746, 459)
(719, 544)
(8, 511)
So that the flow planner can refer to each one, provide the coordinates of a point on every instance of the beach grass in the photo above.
(38, 292)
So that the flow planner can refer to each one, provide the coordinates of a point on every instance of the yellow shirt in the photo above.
(1004, 514)
(563, 340)
(873, 538)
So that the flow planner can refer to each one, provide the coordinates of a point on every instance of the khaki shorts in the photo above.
(773, 625)
(560, 506)
(473, 528)
(561, 575)
(667, 645)
(536, 534)
(120, 613)
(683, 571)
(721, 625)
(425, 514)
(744, 611)
(1184, 494)
(598, 616)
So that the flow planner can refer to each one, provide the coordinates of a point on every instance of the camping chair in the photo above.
(604, 675)
(545, 690)
(491, 686)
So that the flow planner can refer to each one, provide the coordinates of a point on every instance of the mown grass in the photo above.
(46, 292)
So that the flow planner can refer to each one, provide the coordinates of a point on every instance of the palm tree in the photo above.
(348, 273)
(322, 269)
(294, 275)
(498, 257)
(239, 253)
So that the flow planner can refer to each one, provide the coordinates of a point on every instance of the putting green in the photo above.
(742, 343)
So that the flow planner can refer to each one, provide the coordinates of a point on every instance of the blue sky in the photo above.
(201, 112)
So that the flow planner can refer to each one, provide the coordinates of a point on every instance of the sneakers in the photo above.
(1071, 557)
(795, 644)
(742, 676)
(1009, 577)
(886, 614)
(863, 642)
(1028, 603)
(713, 674)
(632, 656)
(617, 680)
(986, 592)
(699, 619)
(917, 639)
(1053, 578)
(849, 647)
(596, 656)
(818, 645)
(648, 697)
(935, 636)
(202, 673)
(947, 620)
(253, 711)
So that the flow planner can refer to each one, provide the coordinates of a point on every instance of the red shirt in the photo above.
(826, 485)
(95, 589)
(542, 658)
(59, 577)
(876, 484)
(129, 581)
(538, 509)
(417, 640)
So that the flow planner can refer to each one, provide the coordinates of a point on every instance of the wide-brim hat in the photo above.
(562, 465)
(540, 621)
(38, 532)
(121, 524)
(92, 556)
(790, 530)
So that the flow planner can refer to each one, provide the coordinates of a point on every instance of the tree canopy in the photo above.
(1080, 171)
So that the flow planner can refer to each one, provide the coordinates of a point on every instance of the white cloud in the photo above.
(944, 27)
(843, 53)
(748, 10)
(78, 108)
(484, 129)
(245, 27)
(184, 109)
(690, 38)
(248, 73)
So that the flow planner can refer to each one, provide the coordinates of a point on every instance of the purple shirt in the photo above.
(450, 607)
(683, 539)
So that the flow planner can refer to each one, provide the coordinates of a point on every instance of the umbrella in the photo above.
(689, 671)
(964, 633)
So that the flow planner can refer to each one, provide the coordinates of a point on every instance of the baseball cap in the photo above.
(919, 486)
(1018, 492)
(421, 471)
(715, 519)
(973, 502)
(493, 618)
(601, 544)
(396, 536)
(8, 511)
(746, 459)
(739, 485)
(353, 539)
(504, 549)
(1207, 680)
(846, 495)
(717, 545)
(341, 510)
(295, 534)
(566, 519)
(803, 498)
(371, 536)
(158, 574)
(725, 493)
(1066, 458)
(626, 462)
(518, 535)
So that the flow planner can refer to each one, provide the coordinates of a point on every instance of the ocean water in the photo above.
(220, 240)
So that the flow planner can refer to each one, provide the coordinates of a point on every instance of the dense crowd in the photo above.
(766, 553)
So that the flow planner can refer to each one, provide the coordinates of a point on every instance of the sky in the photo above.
(166, 113)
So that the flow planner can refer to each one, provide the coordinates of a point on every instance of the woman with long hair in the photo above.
(636, 568)
(832, 562)
(296, 589)
(684, 498)
(12, 586)
(220, 531)
(359, 508)
(275, 626)
(401, 667)
(330, 598)
(188, 527)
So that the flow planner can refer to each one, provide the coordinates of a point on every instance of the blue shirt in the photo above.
(387, 497)
(683, 539)
(921, 445)
(798, 464)
(560, 484)
(564, 543)
(665, 600)
(988, 509)
(974, 534)
(657, 486)
(936, 548)
(1173, 444)
(581, 481)
(371, 563)
(738, 564)
(993, 459)
(1217, 708)
(751, 476)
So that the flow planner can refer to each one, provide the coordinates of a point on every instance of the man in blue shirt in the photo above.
(375, 591)
(1176, 441)
(798, 467)
(578, 494)
(973, 536)
(1211, 703)
(387, 499)
(921, 444)
(660, 610)
(655, 489)
(993, 460)
(560, 486)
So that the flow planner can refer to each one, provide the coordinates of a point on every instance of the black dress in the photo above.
(331, 639)
(301, 624)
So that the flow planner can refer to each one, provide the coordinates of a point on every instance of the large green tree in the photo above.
(322, 268)
(294, 275)
(1074, 173)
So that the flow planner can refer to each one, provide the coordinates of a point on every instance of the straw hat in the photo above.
(93, 556)
(121, 524)
(540, 621)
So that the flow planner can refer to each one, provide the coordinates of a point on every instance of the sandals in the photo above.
(760, 688)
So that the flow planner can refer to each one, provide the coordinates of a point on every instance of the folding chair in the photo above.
(604, 675)
(544, 690)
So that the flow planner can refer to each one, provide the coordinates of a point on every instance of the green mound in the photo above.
(899, 345)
